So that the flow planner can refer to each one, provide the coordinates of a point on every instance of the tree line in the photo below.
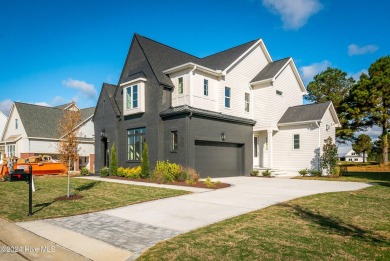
(359, 104)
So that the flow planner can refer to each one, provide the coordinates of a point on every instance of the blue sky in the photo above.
(53, 51)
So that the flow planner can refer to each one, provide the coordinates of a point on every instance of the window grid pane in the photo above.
(174, 141)
(180, 85)
(135, 141)
(227, 97)
(135, 96)
(247, 102)
(296, 141)
(206, 87)
(128, 98)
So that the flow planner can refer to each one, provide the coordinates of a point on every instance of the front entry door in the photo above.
(256, 152)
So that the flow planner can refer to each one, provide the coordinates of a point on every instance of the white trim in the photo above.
(195, 67)
(298, 123)
(140, 79)
(334, 114)
(8, 119)
(271, 80)
(262, 46)
(12, 141)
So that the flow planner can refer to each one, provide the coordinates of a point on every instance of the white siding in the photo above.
(10, 128)
(87, 130)
(184, 98)
(3, 121)
(238, 79)
(331, 132)
(199, 99)
(51, 147)
(286, 157)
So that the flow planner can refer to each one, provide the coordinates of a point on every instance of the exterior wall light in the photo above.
(223, 136)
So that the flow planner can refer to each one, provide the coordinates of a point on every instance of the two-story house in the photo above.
(223, 114)
(32, 130)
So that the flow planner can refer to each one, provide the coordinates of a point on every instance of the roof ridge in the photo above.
(229, 48)
(166, 45)
(49, 107)
(286, 58)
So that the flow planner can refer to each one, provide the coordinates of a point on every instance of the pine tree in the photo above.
(145, 172)
(362, 145)
(113, 162)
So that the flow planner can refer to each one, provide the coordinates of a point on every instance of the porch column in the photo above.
(269, 137)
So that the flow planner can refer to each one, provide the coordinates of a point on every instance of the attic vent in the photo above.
(280, 93)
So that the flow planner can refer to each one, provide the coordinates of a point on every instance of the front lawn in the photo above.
(97, 195)
(332, 226)
(375, 177)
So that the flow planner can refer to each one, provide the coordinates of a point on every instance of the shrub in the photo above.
(188, 174)
(104, 172)
(303, 172)
(113, 162)
(194, 175)
(84, 172)
(316, 173)
(121, 172)
(254, 173)
(209, 183)
(266, 173)
(190, 182)
(145, 172)
(330, 156)
(132, 173)
(166, 172)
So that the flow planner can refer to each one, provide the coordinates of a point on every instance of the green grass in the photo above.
(97, 195)
(372, 177)
(332, 226)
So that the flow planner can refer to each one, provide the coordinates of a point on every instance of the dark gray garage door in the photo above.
(218, 159)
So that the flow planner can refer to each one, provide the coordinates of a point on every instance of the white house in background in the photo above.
(3, 121)
(350, 155)
(32, 130)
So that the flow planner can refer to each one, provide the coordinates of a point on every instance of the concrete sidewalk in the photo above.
(17, 243)
(137, 227)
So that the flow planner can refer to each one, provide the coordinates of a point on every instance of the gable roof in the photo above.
(305, 113)
(41, 121)
(63, 106)
(270, 70)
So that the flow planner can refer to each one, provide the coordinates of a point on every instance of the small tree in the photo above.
(113, 162)
(329, 157)
(145, 172)
(362, 145)
(68, 145)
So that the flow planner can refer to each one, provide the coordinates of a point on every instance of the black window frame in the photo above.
(135, 135)
(174, 141)
(294, 142)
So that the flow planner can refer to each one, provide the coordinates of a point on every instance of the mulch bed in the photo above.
(71, 197)
(198, 184)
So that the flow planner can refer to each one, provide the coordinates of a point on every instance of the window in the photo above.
(10, 150)
(296, 141)
(247, 101)
(206, 87)
(227, 97)
(135, 143)
(280, 93)
(255, 142)
(174, 141)
(180, 85)
(2, 151)
(266, 143)
(16, 124)
(132, 97)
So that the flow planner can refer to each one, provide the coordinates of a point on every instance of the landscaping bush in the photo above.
(303, 172)
(209, 183)
(113, 162)
(132, 173)
(254, 173)
(330, 156)
(188, 174)
(166, 172)
(145, 172)
(104, 172)
(120, 172)
(266, 173)
(84, 171)
(316, 173)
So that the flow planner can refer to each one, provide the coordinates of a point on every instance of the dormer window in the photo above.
(180, 85)
(206, 87)
(134, 96)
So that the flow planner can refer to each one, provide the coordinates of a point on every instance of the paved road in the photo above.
(135, 228)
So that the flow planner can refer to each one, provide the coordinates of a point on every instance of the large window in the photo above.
(247, 101)
(174, 141)
(296, 141)
(132, 97)
(135, 142)
(227, 97)
(10, 150)
(180, 85)
(206, 87)
(255, 144)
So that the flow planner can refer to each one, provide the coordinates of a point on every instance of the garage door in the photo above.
(218, 159)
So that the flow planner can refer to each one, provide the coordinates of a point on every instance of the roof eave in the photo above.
(297, 123)
(193, 66)
(270, 80)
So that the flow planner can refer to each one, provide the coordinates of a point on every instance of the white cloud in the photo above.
(373, 132)
(41, 104)
(58, 100)
(308, 72)
(86, 89)
(5, 106)
(354, 49)
(356, 76)
(294, 13)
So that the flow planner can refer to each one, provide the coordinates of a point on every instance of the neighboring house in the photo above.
(349, 155)
(32, 130)
(223, 115)
(3, 121)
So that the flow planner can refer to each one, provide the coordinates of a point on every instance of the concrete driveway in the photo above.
(131, 230)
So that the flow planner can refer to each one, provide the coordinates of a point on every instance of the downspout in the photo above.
(319, 144)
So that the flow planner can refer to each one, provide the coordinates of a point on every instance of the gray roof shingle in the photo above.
(270, 70)
(308, 112)
(185, 109)
(110, 88)
(41, 121)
